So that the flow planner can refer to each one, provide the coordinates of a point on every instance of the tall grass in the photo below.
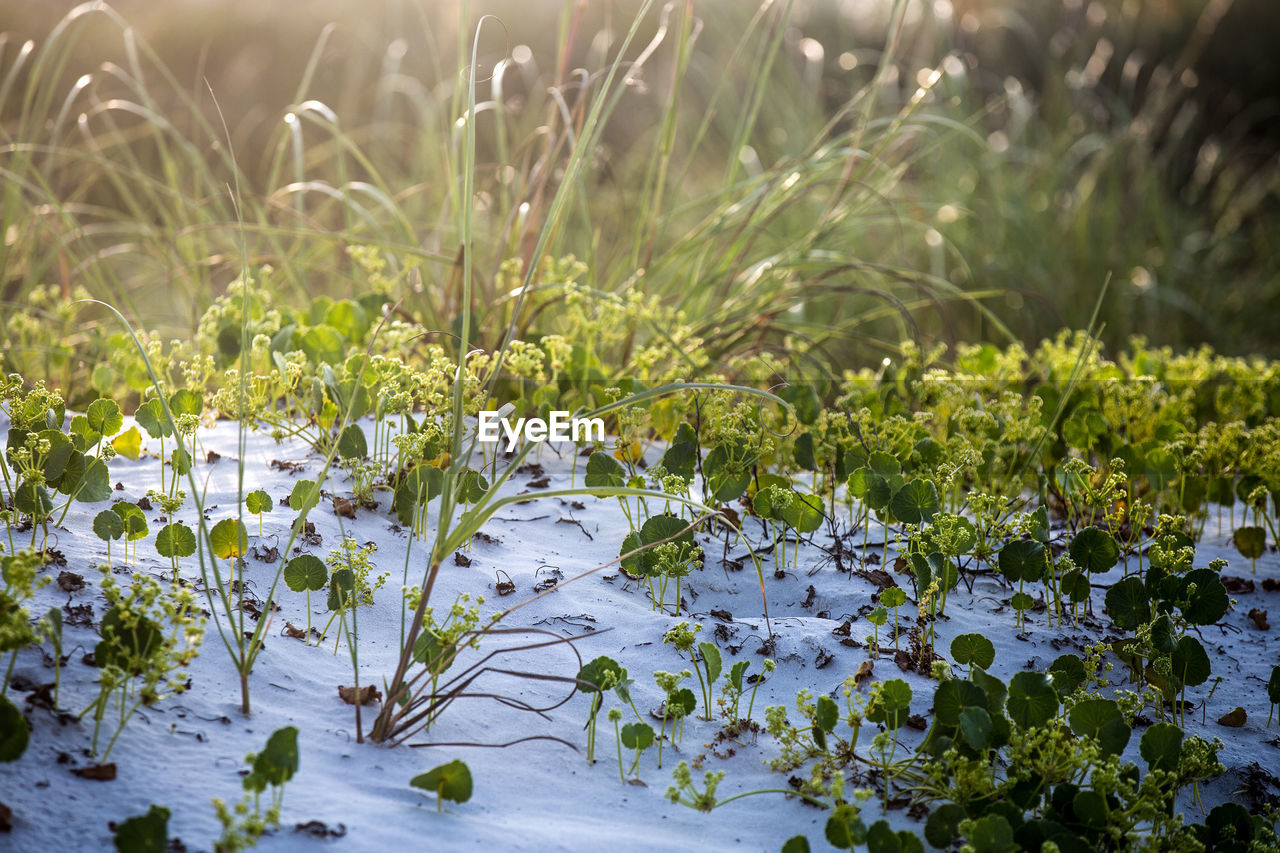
(708, 178)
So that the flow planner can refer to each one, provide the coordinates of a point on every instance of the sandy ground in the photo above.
(536, 795)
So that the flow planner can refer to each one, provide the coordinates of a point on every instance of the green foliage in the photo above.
(1094, 550)
(451, 781)
(973, 649)
(14, 734)
(305, 573)
(1032, 701)
(229, 538)
(148, 833)
(175, 540)
(258, 502)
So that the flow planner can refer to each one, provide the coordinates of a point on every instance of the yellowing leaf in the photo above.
(128, 443)
(630, 453)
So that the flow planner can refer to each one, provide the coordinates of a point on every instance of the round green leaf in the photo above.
(943, 825)
(879, 493)
(1251, 542)
(1190, 662)
(1101, 719)
(1022, 560)
(135, 523)
(104, 416)
(885, 464)
(845, 829)
(229, 538)
(991, 834)
(889, 705)
(828, 714)
(147, 833)
(1094, 550)
(1230, 827)
(1209, 601)
(952, 697)
(304, 573)
(94, 485)
(597, 673)
(184, 401)
(1161, 746)
(258, 502)
(637, 736)
(804, 513)
(893, 597)
(973, 649)
(305, 495)
(1273, 686)
(916, 502)
(278, 761)
(108, 525)
(14, 734)
(1075, 586)
(1128, 604)
(860, 482)
(175, 540)
(1067, 674)
(150, 416)
(975, 727)
(352, 443)
(342, 584)
(796, 844)
(33, 499)
(1032, 700)
(1090, 808)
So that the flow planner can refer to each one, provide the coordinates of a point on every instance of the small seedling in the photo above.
(258, 502)
(450, 781)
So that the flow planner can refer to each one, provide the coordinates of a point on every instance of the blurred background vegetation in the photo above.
(764, 172)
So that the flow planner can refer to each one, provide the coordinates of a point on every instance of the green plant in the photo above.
(259, 502)
(149, 634)
(451, 781)
(148, 833)
(596, 677)
(245, 822)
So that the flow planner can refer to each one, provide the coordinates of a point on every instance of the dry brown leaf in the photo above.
(70, 581)
(879, 577)
(1235, 719)
(1237, 586)
(863, 676)
(292, 630)
(368, 694)
(1259, 618)
(97, 772)
(344, 508)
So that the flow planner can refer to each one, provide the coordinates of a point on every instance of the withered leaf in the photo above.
(70, 581)
(368, 694)
(879, 577)
(862, 677)
(1259, 618)
(344, 507)
(97, 772)
(1235, 719)
(1237, 586)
